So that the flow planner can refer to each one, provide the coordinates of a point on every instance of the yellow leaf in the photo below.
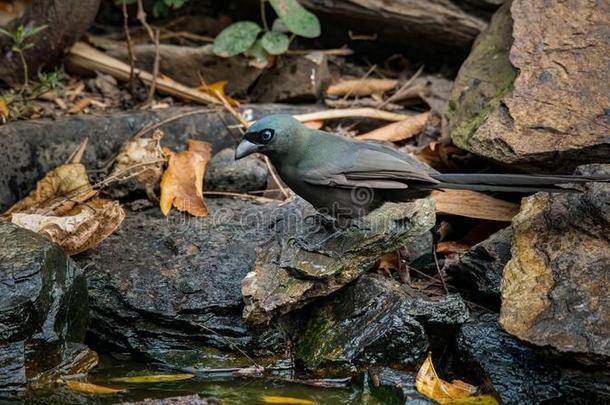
(457, 392)
(216, 88)
(90, 388)
(270, 399)
(182, 182)
(3, 109)
(68, 180)
(144, 379)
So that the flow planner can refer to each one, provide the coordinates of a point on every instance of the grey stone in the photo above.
(224, 173)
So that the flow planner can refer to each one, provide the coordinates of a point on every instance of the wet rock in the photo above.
(43, 311)
(419, 250)
(520, 373)
(224, 173)
(185, 400)
(480, 268)
(34, 147)
(169, 288)
(508, 100)
(376, 320)
(395, 386)
(554, 288)
(287, 277)
(295, 78)
(189, 65)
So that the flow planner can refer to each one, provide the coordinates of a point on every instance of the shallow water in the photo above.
(230, 390)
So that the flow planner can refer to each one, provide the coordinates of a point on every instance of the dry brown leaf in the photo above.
(440, 156)
(3, 110)
(218, 88)
(449, 247)
(144, 159)
(456, 392)
(182, 182)
(82, 228)
(90, 388)
(388, 262)
(473, 204)
(80, 105)
(398, 131)
(68, 180)
(361, 87)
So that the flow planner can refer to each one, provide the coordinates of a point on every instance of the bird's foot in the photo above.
(306, 243)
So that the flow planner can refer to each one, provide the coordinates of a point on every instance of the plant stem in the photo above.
(263, 15)
(25, 68)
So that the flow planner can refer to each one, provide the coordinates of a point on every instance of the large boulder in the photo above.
(286, 277)
(168, 289)
(529, 94)
(375, 320)
(43, 312)
(520, 373)
(555, 286)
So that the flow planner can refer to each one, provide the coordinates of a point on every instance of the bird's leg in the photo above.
(331, 231)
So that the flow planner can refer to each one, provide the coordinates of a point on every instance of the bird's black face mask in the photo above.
(255, 141)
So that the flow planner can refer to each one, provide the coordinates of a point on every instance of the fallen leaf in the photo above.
(3, 110)
(398, 131)
(90, 388)
(80, 105)
(182, 182)
(441, 156)
(361, 87)
(473, 204)
(81, 228)
(146, 379)
(68, 182)
(270, 399)
(449, 247)
(143, 159)
(216, 88)
(388, 262)
(456, 392)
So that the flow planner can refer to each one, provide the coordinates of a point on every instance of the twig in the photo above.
(367, 74)
(275, 178)
(130, 54)
(401, 90)
(264, 15)
(155, 73)
(351, 112)
(77, 155)
(154, 126)
(438, 269)
(237, 195)
(331, 52)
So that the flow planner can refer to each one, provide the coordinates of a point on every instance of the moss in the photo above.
(318, 341)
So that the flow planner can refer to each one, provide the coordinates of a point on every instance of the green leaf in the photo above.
(297, 19)
(175, 3)
(275, 43)
(160, 9)
(279, 26)
(257, 51)
(236, 38)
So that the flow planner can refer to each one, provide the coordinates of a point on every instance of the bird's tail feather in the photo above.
(512, 182)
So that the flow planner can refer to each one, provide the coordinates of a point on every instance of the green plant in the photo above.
(21, 44)
(245, 36)
(161, 8)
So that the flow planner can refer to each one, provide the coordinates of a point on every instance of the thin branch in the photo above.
(130, 54)
(351, 112)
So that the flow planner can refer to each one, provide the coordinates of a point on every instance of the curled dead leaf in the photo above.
(456, 392)
(89, 388)
(217, 89)
(361, 87)
(388, 262)
(79, 229)
(398, 131)
(155, 378)
(182, 182)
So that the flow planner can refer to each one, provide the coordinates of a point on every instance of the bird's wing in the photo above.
(372, 167)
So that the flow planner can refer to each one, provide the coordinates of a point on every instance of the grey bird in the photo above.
(346, 179)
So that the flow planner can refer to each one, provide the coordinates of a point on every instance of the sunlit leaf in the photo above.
(182, 182)
(259, 55)
(270, 399)
(275, 43)
(236, 38)
(279, 26)
(3, 110)
(457, 392)
(147, 379)
(90, 388)
(219, 87)
(296, 18)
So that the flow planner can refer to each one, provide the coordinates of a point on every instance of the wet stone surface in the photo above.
(224, 173)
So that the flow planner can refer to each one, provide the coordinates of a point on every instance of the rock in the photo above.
(294, 78)
(43, 311)
(521, 374)
(169, 288)
(395, 386)
(376, 320)
(419, 250)
(224, 173)
(480, 268)
(34, 147)
(189, 65)
(185, 400)
(286, 277)
(508, 102)
(554, 286)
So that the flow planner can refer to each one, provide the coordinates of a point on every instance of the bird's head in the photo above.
(270, 135)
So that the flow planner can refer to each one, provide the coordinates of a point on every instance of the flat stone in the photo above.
(43, 311)
(287, 277)
(554, 288)
(224, 173)
(395, 386)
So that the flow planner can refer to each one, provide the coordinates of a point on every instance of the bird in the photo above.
(346, 179)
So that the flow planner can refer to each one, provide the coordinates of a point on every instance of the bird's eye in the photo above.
(266, 135)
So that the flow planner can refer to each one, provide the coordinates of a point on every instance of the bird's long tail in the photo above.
(513, 182)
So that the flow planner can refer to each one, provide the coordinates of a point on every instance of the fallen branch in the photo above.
(472, 204)
(361, 87)
(352, 112)
(86, 57)
(398, 131)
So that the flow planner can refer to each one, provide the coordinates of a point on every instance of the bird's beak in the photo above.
(245, 148)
